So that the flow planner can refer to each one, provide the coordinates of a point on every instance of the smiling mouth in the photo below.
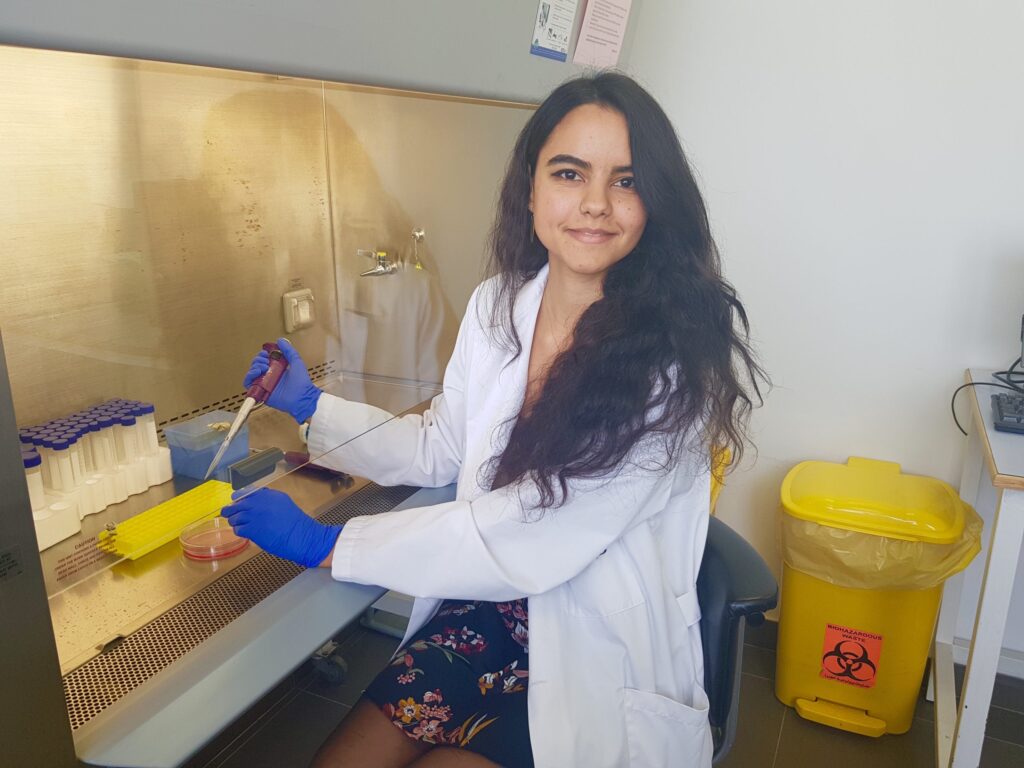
(591, 235)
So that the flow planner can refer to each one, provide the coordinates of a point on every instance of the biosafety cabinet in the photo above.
(160, 222)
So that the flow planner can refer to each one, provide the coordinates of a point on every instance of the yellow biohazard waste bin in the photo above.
(866, 550)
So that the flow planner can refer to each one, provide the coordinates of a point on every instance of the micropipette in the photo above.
(258, 392)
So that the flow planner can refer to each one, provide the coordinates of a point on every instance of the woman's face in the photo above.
(586, 210)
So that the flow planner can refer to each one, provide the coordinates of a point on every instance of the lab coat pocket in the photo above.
(607, 586)
(664, 732)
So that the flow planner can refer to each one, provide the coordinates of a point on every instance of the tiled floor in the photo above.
(285, 729)
(771, 735)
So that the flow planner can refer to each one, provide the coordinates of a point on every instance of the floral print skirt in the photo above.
(462, 680)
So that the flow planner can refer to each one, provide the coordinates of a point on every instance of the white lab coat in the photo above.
(616, 669)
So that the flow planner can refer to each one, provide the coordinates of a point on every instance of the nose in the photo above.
(595, 200)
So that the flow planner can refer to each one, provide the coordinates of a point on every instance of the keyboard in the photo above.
(1008, 411)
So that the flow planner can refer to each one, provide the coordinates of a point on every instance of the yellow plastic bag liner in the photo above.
(866, 525)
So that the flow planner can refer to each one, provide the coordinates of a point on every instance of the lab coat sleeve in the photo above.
(422, 450)
(489, 548)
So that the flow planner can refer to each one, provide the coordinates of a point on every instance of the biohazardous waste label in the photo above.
(850, 656)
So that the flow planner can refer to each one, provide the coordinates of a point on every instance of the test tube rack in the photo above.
(141, 534)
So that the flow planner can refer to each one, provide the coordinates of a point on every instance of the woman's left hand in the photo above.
(276, 523)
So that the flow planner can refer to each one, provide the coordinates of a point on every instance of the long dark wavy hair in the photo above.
(666, 349)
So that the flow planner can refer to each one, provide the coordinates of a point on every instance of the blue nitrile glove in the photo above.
(295, 393)
(275, 522)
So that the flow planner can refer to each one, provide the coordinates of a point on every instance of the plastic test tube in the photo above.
(116, 484)
(76, 470)
(134, 409)
(103, 444)
(79, 448)
(126, 438)
(34, 477)
(61, 473)
(75, 451)
(95, 430)
(145, 414)
(137, 482)
(120, 456)
(73, 426)
(89, 427)
(38, 441)
(28, 436)
(49, 459)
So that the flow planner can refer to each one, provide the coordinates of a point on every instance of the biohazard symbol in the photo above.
(849, 659)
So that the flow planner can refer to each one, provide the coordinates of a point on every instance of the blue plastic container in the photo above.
(193, 445)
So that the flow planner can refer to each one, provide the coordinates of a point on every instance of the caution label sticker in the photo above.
(850, 655)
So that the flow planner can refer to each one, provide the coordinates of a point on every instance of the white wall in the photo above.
(864, 169)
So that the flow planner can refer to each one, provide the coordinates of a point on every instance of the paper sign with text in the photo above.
(604, 26)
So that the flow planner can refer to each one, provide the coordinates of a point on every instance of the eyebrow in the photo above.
(583, 164)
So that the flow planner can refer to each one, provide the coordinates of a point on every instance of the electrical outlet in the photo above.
(299, 309)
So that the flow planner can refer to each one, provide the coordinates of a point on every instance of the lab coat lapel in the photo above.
(515, 371)
(509, 388)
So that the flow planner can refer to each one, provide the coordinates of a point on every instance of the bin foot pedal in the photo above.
(840, 716)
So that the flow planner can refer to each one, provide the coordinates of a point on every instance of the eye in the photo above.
(626, 183)
(568, 174)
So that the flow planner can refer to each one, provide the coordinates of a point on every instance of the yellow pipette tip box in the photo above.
(141, 534)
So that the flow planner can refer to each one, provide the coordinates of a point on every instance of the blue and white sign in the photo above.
(553, 30)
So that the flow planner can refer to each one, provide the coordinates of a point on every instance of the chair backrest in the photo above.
(734, 586)
(721, 458)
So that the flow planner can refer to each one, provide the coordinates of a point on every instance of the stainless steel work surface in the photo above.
(172, 715)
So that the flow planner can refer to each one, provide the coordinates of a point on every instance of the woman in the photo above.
(557, 621)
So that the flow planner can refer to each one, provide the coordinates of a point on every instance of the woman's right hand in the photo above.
(295, 393)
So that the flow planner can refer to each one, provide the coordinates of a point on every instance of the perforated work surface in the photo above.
(103, 680)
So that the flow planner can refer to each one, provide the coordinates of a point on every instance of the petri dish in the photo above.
(211, 539)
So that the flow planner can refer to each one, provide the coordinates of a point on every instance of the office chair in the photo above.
(734, 587)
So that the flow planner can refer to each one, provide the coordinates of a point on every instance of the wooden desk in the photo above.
(998, 496)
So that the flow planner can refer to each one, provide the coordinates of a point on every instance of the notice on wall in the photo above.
(555, 19)
(604, 26)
